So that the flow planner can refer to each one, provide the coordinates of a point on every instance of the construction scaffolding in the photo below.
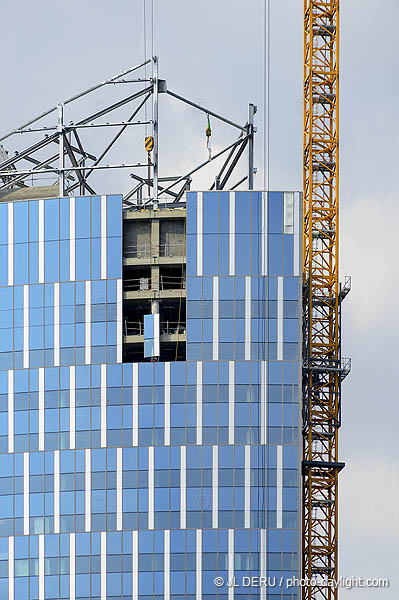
(61, 150)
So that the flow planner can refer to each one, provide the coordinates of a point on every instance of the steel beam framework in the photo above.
(59, 149)
(323, 367)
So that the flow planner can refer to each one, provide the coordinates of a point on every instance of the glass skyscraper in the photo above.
(150, 376)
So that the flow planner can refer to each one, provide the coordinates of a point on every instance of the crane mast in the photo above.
(322, 364)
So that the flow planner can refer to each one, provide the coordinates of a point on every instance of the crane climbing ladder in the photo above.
(323, 367)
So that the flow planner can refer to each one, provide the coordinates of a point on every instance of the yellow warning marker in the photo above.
(149, 143)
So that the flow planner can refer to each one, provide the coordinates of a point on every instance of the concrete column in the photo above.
(155, 280)
(155, 240)
(155, 250)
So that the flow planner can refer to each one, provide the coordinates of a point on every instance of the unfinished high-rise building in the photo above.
(151, 365)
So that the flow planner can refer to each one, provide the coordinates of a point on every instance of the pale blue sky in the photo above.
(212, 51)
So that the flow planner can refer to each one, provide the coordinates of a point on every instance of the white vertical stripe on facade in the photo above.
(72, 413)
(135, 405)
(279, 500)
(215, 319)
(103, 565)
(263, 563)
(88, 322)
(72, 566)
(232, 233)
(72, 240)
(166, 562)
(41, 241)
(87, 489)
(56, 491)
(296, 214)
(231, 402)
(265, 475)
(263, 402)
(119, 488)
(26, 493)
(230, 555)
(183, 486)
(41, 409)
(280, 317)
(215, 486)
(288, 212)
(247, 487)
(199, 402)
(157, 339)
(10, 568)
(248, 318)
(297, 232)
(103, 237)
(119, 332)
(264, 233)
(135, 565)
(26, 326)
(200, 237)
(198, 565)
(151, 487)
(56, 324)
(103, 411)
(167, 405)
(41, 567)
(10, 243)
(11, 411)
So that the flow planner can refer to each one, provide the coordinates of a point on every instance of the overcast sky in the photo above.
(212, 51)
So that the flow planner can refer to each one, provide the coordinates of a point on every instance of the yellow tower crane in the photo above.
(323, 368)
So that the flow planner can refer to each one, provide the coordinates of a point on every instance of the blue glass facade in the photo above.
(149, 480)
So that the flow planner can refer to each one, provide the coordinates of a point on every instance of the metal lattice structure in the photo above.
(323, 367)
(71, 152)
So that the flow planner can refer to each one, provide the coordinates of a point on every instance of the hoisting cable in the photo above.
(208, 133)
(266, 96)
